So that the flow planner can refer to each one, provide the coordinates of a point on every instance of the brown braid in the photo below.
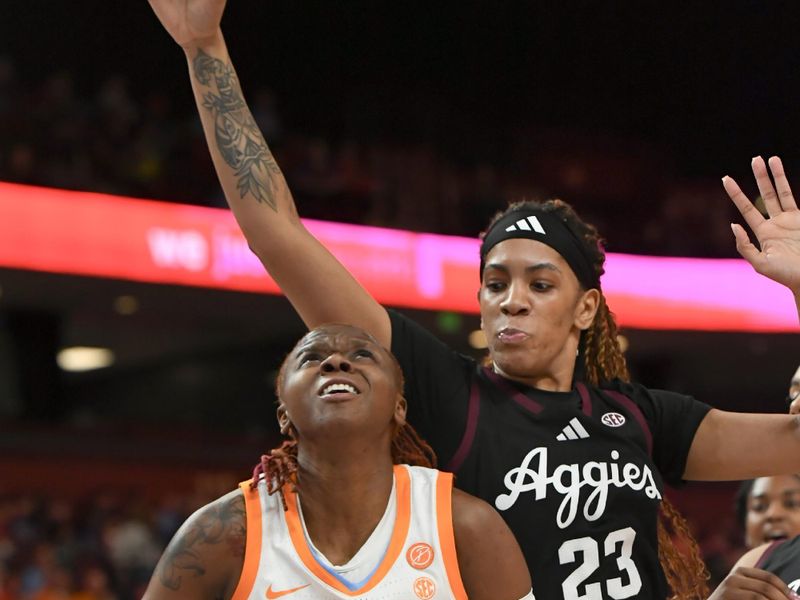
(602, 355)
(604, 362)
(280, 466)
(686, 572)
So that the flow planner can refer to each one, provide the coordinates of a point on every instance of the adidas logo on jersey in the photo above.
(573, 431)
(530, 223)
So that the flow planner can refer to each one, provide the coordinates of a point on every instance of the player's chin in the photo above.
(514, 361)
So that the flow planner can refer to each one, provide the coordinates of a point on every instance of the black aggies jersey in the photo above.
(783, 558)
(572, 473)
(572, 476)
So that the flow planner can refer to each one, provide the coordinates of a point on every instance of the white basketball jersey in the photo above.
(419, 563)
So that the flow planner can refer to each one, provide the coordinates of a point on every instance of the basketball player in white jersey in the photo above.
(336, 511)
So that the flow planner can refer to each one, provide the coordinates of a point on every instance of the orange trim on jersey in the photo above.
(252, 549)
(399, 535)
(447, 539)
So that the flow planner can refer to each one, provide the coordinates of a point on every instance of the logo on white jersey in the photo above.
(530, 223)
(424, 588)
(573, 431)
(613, 419)
(568, 480)
(420, 555)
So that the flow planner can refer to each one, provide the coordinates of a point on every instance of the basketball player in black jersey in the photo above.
(551, 431)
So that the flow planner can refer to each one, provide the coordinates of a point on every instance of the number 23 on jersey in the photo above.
(617, 544)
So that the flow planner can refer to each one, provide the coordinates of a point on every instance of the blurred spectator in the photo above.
(94, 584)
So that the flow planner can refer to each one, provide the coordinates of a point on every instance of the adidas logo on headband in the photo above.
(530, 223)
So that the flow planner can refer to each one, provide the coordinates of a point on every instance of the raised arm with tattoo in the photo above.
(254, 185)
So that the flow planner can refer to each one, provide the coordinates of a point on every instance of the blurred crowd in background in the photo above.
(103, 547)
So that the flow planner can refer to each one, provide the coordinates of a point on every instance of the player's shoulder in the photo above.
(221, 522)
(228, 509)
(641, 395)
(489, 557)
(631, 389)
(471, 515)
(754, 556)
(207, 552)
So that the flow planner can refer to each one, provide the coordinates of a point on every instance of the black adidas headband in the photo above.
(546, 228)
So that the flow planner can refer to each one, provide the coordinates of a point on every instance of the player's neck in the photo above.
(556, 380)
(343, 498)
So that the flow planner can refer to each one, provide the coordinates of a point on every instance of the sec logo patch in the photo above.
(613, 419)
(424, 588)
(420, 556)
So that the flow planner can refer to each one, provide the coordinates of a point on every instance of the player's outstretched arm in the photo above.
(491, 563)
(779, 235)
(317, 285)
(732, 446)
(204, 560)
(746, 582)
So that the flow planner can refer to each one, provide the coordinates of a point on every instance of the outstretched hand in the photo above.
(189, 22)
(778, 235)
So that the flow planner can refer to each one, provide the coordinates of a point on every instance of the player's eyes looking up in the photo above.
(363, 353)
(309, 357)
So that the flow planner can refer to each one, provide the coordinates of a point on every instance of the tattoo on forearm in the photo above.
(238, 138)
(223, 524)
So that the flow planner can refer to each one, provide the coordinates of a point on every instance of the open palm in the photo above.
(189, 22)
(779, 235)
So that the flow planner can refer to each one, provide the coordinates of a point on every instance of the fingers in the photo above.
(765, 188)
(751, 215)
(744, 246)
(759, 582)
(785, 196)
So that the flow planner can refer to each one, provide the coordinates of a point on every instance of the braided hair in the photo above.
(603, 362)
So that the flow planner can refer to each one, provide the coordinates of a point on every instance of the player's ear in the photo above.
(284, 421)
(586, 308)
(400, 408)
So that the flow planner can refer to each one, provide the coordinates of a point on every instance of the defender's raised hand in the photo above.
(191, 23)
(779, 234)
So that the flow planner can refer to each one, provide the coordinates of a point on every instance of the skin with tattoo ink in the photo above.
(238, 138)
(216, 533)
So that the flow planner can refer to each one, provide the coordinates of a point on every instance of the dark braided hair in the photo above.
(604, 362)
(280, 466)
